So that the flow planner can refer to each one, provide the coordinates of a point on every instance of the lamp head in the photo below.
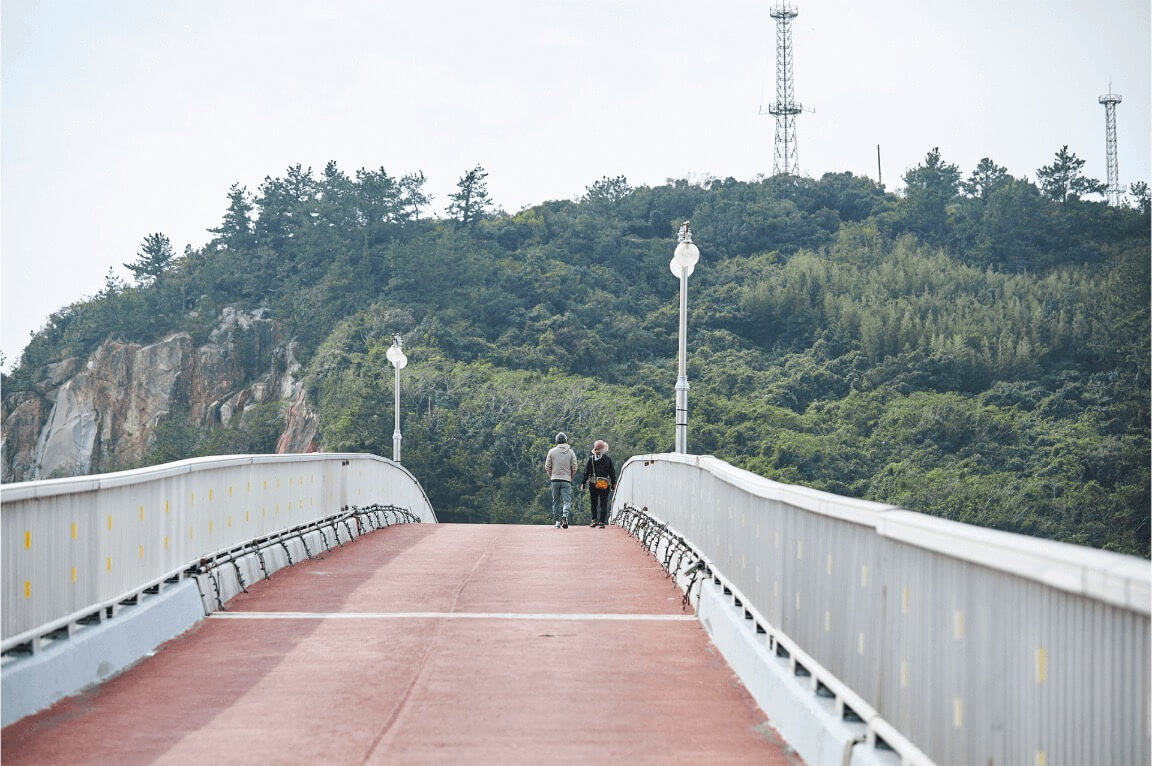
(396, 356)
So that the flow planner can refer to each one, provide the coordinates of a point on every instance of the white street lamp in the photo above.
(399, 361)
(682, 264)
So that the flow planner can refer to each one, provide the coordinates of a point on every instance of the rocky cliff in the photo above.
(100, 414)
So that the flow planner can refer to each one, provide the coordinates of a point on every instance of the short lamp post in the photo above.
(682, 264)
(399, 361)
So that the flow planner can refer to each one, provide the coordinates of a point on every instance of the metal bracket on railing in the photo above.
(239, 574)
(284, 545)
(208, 568)
(654, 535)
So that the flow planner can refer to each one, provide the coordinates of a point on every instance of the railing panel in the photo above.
(69, 544)
(977, 646)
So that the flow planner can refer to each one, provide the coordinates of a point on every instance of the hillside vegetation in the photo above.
(975, 348)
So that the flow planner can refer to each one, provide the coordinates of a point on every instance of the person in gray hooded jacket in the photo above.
(560, 465)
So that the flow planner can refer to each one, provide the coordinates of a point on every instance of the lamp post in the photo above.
(682, 264)
(399, 361)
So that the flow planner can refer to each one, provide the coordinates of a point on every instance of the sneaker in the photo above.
(593, 523)
(557, 525)
(601, 525)
(564, 522)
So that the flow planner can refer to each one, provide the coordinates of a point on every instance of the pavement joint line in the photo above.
(446, 616)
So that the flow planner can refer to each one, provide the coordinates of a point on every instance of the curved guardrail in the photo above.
(954, 644)
(79, 547)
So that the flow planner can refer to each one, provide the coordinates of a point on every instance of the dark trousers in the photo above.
(598, 498)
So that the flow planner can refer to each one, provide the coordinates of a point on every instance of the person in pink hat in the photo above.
(600, 478)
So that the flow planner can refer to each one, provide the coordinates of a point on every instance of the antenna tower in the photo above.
(1114, 190)
(785, 109)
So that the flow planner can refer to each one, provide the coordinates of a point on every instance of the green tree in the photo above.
(154, 258)
(1063, 181)
(470, 202)
(985, 179)
(235, 231)
(605, 195)
(1141, 196)
(929, 188)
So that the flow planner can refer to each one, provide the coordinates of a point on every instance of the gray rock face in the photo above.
(101, 415)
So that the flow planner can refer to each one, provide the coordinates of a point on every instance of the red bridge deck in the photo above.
(432, 643)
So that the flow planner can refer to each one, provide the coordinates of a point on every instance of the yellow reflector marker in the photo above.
(165, 506)
(904, 674)
(141, 513)
(109, 563)
(209, 494)
(27, 589)
(73, 530)
(73, 574)
(165, 542)
(209, 526)
(958, 713)
(907, 600)
(958, 625)
(109, 522)
(1041, 664)
(28, 539)
(141, 551)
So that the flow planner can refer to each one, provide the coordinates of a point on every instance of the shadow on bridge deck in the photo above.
(431, 643)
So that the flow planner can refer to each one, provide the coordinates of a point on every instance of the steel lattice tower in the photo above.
(1114, 190)
(785, 109)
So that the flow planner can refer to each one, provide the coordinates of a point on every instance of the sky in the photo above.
(123, 118)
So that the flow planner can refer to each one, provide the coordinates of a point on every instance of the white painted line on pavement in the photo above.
(444, 616)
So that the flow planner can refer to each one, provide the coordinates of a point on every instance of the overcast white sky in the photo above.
(126, 117)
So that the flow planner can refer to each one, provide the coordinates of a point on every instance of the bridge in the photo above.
(308, 608)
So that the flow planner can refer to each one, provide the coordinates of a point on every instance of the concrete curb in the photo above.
(95, 653)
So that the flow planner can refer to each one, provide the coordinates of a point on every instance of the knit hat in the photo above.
(561, 438)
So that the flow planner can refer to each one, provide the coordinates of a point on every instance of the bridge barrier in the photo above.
(953, 643)
(82, 547)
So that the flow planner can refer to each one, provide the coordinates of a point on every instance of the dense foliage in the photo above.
(975, 348)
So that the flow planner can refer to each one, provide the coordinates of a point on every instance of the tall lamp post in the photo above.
(682, 264)
(399, 361)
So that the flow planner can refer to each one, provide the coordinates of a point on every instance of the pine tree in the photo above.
(155, 257)
(471, 202)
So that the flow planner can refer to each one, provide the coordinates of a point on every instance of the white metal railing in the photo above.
(71, 546)
(968, 644)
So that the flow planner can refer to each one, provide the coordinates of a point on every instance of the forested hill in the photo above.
(976, 347)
